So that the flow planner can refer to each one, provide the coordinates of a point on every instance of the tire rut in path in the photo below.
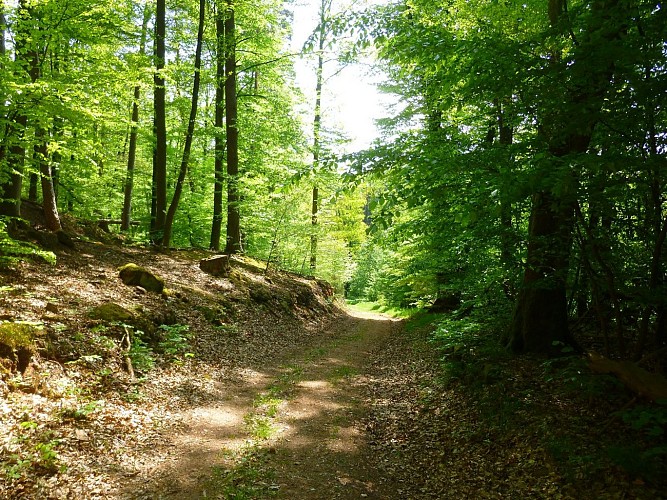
(322, 454)
(318, 451)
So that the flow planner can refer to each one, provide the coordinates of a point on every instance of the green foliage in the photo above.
(639, 462)
(365, 282)
(39, 454)
(141, 355)
(79, 412)
(495, 94)
(12, 251)
(175, 342)
(247, 478)
(651, 420)
(260, 426)
(470, 353)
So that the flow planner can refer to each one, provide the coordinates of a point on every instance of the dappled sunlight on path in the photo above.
(303, 416)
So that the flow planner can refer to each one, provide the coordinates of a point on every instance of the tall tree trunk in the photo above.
(233, 245)
(12, 152)
(126, 214)
(317, 127)
(171, 213)
(159, 198)
(216, 228)
(51, 216)
(506, 136)
(3, 29)
(540, 322)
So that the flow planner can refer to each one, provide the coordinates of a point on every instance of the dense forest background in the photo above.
(521, 179)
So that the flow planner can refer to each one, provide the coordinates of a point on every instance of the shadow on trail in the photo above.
(314, 447)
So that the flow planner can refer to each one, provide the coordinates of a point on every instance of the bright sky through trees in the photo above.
(351, 100)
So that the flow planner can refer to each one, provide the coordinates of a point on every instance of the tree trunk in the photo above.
(159, 199)
(313, 235)
(12, 153)
(317, 126)
(540, 322)
(14, 159)
(173, 206)
(233, 245)
(51, 217)
(216, 228)
(126, 215)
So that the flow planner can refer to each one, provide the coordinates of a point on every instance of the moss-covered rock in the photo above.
(112, 312)
(17, 344)
(134, 275)
(260, 293)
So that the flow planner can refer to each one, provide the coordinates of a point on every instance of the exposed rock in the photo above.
(216, 266)
(327, 290)
(305, 297)
(46, 239)
(133, 275)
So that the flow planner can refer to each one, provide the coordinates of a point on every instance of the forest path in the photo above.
(294, 429)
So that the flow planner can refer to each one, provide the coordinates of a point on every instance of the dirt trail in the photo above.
(294, 428)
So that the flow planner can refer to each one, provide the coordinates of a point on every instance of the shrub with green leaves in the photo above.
(176, 341)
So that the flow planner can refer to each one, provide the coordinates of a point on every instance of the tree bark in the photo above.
(159, 198)
(173, 206)
(317, 127)
(216, 228)
(13, 163)
(50, 207)
(540, 322)
(126, 215)
(12, 152)
(233, 245)
(51, 216)
(507, 247)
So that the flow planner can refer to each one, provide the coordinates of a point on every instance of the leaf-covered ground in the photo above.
(273, 391)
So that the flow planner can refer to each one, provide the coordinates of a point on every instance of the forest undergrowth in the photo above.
(124, 387)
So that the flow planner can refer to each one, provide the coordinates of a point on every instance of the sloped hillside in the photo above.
(93, 371)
